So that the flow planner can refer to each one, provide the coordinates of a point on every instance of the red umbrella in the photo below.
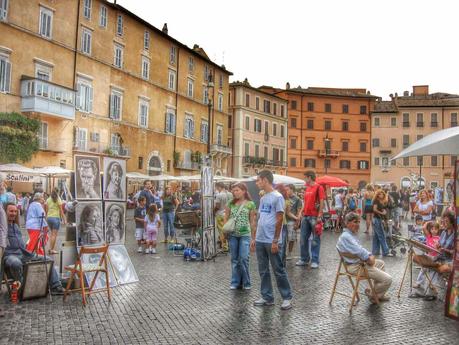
(331, 181)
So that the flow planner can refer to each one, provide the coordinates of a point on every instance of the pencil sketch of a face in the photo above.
(87, 182)
(89, 223)
(115, 182)
(114, 223)
(122, 266)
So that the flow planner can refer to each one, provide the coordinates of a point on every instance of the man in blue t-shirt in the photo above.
(147, 194)
(267, 243)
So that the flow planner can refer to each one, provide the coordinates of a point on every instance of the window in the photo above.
(345, 164)
(145, 68)
(393, 122)
(247, 100)
(5, 74)
(275, 154)
(275, 108)
(453, 160)
(328, 108)
(189, 127)
(433, 161)
(116, 105)
(86, 38)
(246, 149)
(171, 80)
(3, 9)
(293, 122)
(309, 144)
(103, 16)
(173, 55)
(406, 141)
(293, 104)
(433, 120)
(257, 125)
(266, 127)
(310, 106)
(190, 88)
(345, 126)
(115, 142)
(206, 73)
(363, 126)
(230, 121)
(43, 72)
(170, 121)
(282, 131)
(293, 143)
(219, 135)
(146, 40)
(406, 120)
(274, 129)
(345, 108)
(119, 25)
(453, 119)
(363, 109)
(375, 142)
(282, 109)
(419, 160)
(266, 106)
(393, 142)
(220, 102)
(143, 112)
(84, 97)
(46, 22)
(309, 163)
(363, 165)
(419, 137)
(190, 64)
(310, 124)
(293, 162)
(406, 161)
(376, 160)
(376, 121)
(247, 123)
(87, 9)
(363, 147)
(327, 163)
(345, 146)
(257, 103)
(205, 94)
(385, 162)
(220, 81)
(204, 131)
(419, 120)
(43, 135)
(118, 58)
(265, 152)
(327, 125)
(81, 139)
(140, 163)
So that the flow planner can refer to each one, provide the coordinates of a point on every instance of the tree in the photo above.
(18, 137)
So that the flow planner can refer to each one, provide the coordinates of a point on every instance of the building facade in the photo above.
(259, 130)
(329, 132)
(103, 81)
(400, 122)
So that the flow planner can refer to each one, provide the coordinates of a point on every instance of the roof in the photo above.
(246, 84)
(197, 51)
(439, 99)
(385, 107)
(339, 92)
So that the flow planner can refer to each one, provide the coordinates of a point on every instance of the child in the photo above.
(139, 217)
(431, 232)
(416, 231)
(152, 224)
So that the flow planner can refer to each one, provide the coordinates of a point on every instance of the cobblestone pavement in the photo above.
(177, 302)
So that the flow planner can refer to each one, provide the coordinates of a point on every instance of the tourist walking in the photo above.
(170, 204)
(381, 212)
(36, 224)
(267, 242)
(368, 206)
(55, 215)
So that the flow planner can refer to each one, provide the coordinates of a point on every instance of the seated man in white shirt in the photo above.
(349, 242)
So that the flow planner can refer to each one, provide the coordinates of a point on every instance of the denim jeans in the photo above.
(168, 220)
(379, 238)
(307, 228)
(283, 246)
(240, 253)
(264, 257)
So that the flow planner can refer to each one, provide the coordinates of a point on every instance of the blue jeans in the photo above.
(54, 223)
(168, 220)
(240, 253)
(379, 238)
(307, 228)
(264, 256)
(283, 246)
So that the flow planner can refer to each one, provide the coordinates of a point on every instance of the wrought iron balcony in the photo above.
(187, 165)
(328, 153)
(42, 96)
(103, 149)
(254, 160)
(216, 148)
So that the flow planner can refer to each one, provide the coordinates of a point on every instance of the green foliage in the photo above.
(18, 137)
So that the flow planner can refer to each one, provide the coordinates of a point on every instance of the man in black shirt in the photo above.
(395, 204)
(147, 194)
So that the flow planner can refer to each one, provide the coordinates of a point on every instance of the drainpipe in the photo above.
(443, 156)
(176, 103)
(76, 44)
(301, 133)
(233, 121)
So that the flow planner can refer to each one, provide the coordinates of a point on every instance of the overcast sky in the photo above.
(385, 46)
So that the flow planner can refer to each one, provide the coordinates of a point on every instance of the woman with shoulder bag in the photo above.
(240, 217)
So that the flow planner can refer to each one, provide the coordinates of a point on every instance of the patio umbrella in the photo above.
(284, 179)
(331, 181)
(53, 171)
(17, 168)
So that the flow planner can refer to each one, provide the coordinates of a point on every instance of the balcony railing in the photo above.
(42, 96)
(104, 149)
(216, 148)
(434, 124)
(328, 153)
(276, 163)
(406, 124)
(187, 165)
(420, 124)
(255, 160)
(51, 145)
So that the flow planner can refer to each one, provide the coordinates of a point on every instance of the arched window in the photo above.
(154, 166)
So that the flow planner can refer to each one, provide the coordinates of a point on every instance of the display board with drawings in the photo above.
(36, 278)
(114, 179)
(115, 222)
(208, 220)
(121, 264)
(448, 193)
(87, 178)
(89, 223)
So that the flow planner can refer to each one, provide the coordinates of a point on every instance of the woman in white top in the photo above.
(424, 206)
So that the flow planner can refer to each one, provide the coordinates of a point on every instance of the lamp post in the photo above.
(210, 87)
(327, 152)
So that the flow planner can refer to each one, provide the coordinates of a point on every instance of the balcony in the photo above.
(328, 153)
(46, 144)
(42, 96)
(406, 124)
(222, 149)
(187, 165)
(254, 160)
(385, 150)
(420, 124)
(276, 163)
(102, 149)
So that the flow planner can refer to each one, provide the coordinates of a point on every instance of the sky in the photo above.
(385, 46)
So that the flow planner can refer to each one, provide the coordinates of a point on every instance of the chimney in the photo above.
(165, 29)
(420, 90)
(391, 96)
(406, 93)
(287, 86)
(396, 95)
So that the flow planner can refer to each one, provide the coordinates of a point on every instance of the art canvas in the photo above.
(115, 222)
(35, 282)
(87, 178)
(448, 193)
(89, 223)
(122, 265)
(101, 279)
(114, 179)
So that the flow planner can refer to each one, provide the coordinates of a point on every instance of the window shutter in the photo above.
(112, 106)
(90, 99)
(78, 96)
(168, 123)
(7, 76)
(192, 128)
(173, 119)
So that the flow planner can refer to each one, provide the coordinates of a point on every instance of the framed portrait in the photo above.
(448, 194)
(122, 265)
(87, 178)
(114, 179)
(115, 222)
(101, 279)
(89, 223)
(36, 279)
(207, 182)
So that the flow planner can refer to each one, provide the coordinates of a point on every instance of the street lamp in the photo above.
(210, 87)
(327, 152)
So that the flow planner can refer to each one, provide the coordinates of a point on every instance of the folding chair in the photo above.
(80, 268)
(354, 279)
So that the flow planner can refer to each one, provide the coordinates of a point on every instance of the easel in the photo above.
(409, 262)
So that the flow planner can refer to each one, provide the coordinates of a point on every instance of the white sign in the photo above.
(18, 177)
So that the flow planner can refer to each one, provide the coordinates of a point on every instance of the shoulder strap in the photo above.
(239, 209)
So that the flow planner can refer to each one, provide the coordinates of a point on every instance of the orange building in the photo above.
(329, 132)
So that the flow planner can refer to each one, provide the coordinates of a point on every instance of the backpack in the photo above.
(352, 204)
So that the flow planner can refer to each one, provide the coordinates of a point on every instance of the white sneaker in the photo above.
(300, 263)
(153, 250)
(147, 251)
(314, 265)
(262, 302)
(140, 250)
(286, 304)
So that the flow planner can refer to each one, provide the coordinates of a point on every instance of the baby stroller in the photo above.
(393, 238)
(328, 221)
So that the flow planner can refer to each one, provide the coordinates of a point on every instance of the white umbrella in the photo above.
(443, 142)
(137, 176)
(162, 178)
(17, 168)
(53, 171)
(284, 179)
